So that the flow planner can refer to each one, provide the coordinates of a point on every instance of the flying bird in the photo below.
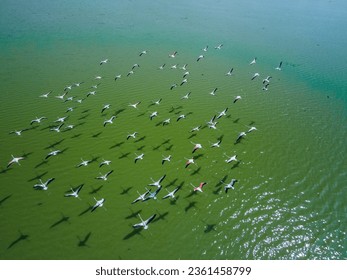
(199, 188)
(231, 159)
(213, 92)
(132, 135)
(229, 73)
(37, 120)
(152, 115)
(84, 163)
(43, 185)
(194, 129)
(216, 144)
(168, 158)
(196, 147)
(45, 95)
(138, 157)
(279, 67)
(186, 96)
(144, 224)
(166, 122)
(99, 203)
(104, 61)
(104, 177)
(230, 185)
(141, 197)
(152, 194)
(251, 129)
(201, 56)
(134, 105)
(223, 113)
(14, 160)
(240, 136)
(171, 194)
(158, 182)
(181, 117)
(52, 153)
(104, 162)
(189, 162)
(74, 193)
(107, 106)
(254, 76)
(237, 98)
(173, 55)
(254, 61)
(110, 121)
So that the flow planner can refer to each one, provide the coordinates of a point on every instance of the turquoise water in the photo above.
(290, 198)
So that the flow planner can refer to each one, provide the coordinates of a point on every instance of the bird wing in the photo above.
(49, 181)
(162, 178)
(79, 188)
(150, 219)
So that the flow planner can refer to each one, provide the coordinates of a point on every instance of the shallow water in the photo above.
(290, 198)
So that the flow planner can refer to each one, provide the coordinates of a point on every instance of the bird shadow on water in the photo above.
(198, 156)
(41, 163)
(25, 155)
(161, 216)
(5, 170)
(218, 186)
(117, 145)
(19, 239)
(94, 191)
(197, 171)
(80, 124)
(94, 159)
(4, 199)
(236, 164)
(209, 228)
(140, 139)
(88, 209)
(192, 135)
(141, 148)
(172, 182)
(191, 205)
(38, 177)
(124, 155)
(96, 135)
(169, 148)
(133, 214)
(119, 111)
(63, 219)
(83, 242)
(83, 117)
(125, 191)
(136, 231)
(156, 148)
(174, 201)
(55, 144)
(76, 135)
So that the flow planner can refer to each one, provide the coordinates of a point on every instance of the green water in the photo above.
(290, 198)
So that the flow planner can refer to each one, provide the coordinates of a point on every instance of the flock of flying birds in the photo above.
(60, 124)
